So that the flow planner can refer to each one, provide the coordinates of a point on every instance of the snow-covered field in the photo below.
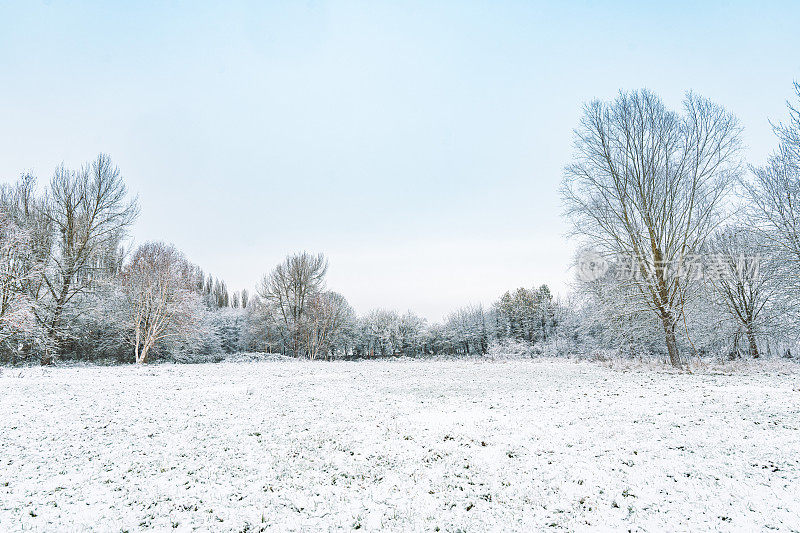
(402, 445)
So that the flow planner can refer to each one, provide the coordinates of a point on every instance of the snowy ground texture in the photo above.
(401, 445)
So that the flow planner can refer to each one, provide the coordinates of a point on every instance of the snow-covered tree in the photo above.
(612, 317)
(89, 212)
(379, 333)
(159, 284)
(228, 326)
(647, 184)
(411, 333)
(328, 316)
(467, 331)
(745, 286)
(774, 193)
(18, 271)
(289, 289)
(98, 323)
(524, 315)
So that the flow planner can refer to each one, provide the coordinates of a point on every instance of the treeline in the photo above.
(685, 251)
(293, 314)
(69, 289)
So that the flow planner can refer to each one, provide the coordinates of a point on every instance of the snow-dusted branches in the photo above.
(290, 289)
(18, 271)
(159, 285)
(327, 316)
(648, 183)
(744, 284)
(88, 210)
(774, 192)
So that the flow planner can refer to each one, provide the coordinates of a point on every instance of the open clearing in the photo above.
(404, 445)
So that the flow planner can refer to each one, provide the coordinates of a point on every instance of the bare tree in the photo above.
(774, 193)
(88, 210)
(789, 132)
(647, 184)
(290, 287)
(328, 313)
(743, 283)
(159, 284)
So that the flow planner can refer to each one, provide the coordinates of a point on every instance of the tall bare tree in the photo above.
(647, 184)
(774, 193)
(743, 283)
(88, 211)
(290, 288)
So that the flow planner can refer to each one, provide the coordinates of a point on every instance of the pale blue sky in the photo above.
(419, 144)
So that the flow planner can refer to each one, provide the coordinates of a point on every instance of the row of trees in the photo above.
(684, 251)
(69, 288)
(683, 240)
(294, 314)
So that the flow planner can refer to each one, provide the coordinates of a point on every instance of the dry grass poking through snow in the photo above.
(403, 445)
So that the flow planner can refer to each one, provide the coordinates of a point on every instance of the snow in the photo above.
(403, 445)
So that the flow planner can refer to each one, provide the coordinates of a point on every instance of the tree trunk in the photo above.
(47, 359)
(145, 350)
(751, 338)
(672, 344)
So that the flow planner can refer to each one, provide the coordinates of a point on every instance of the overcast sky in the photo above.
(419, 145)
